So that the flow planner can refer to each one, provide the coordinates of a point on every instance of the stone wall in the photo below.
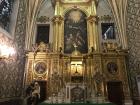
(8, 72)
(133, 33)
(12, 71)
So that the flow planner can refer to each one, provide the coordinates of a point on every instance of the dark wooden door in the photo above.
(115, 92)
(43, 90)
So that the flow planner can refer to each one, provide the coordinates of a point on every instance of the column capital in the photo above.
(57, 19)
(92, 18)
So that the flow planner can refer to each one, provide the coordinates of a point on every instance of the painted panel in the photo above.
(75, 31)
(108, 31)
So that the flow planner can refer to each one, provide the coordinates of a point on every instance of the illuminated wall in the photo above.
(8, 70)
(12, 70)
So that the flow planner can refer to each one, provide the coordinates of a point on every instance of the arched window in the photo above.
(5, 12)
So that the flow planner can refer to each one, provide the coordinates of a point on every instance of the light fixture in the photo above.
(6, 51)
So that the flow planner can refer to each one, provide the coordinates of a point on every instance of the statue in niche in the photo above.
(98, 77)
(55, 82)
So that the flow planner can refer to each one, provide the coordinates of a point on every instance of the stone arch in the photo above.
(81, 9)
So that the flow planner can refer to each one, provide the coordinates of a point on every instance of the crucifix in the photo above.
(75, 46)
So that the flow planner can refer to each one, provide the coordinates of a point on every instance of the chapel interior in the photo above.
(78, 51)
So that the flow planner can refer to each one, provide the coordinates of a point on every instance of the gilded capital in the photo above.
(92, 18)
(57, 19)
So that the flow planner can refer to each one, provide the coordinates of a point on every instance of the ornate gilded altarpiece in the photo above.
(68, 66)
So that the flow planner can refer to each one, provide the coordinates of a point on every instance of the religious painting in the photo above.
(40, 68)
(108, 31)
(42, 33)
(112, 67)
(75, 31)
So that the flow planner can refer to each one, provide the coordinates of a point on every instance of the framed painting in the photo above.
(40, 68)
(112, 67)
(75, 31)
(108, 32)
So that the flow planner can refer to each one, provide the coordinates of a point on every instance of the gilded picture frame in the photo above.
(112, 67)
(40, 68)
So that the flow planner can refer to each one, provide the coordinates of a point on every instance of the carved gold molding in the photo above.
(58, 23)
(75, 1)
